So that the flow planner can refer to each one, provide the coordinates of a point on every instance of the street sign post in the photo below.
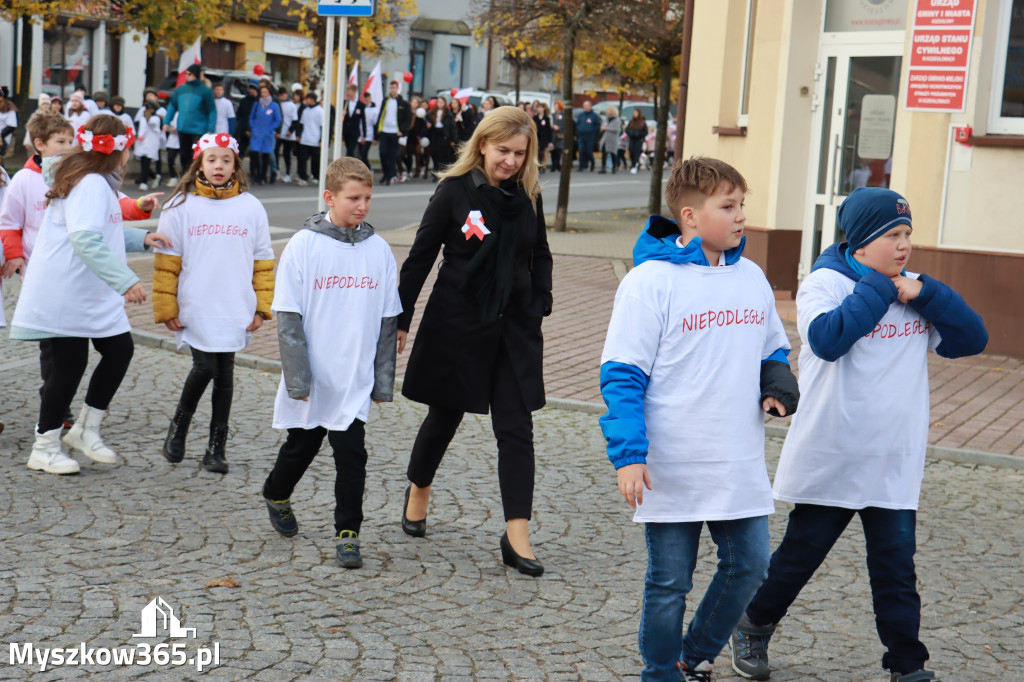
(346, 8)
(330, 9)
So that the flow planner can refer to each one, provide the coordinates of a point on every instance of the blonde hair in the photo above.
(501, 124)
(692, 181)
(613, 111)
(345, 169)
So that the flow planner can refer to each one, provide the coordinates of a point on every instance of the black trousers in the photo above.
(297, 453)
(284, 149)
(206, 367)
(259, 163)
(387, 146)
(512, 424)
(145, 172)
(63, 361)
(308, 152)
(556, 159)
(185, 152)
(352, 146)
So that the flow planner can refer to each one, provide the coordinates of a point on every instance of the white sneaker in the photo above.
(171, 182)
(85, 436)
(286, 178)
(301, 183)
(633, 170)
(144, 187)
(47, 455)
(156, 180)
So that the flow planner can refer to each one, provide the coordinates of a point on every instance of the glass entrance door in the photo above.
(856, 100)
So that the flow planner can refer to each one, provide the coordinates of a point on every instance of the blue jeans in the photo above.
(743, 554)
(891, 542)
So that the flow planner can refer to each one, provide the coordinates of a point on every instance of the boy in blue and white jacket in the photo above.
(858, 446)
(695, 351)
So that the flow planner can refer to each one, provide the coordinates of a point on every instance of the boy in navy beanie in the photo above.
(866, 325)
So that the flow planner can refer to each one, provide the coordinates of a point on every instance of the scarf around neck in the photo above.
(203, 188)
(489, 274)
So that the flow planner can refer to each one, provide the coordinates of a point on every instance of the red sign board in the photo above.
(945, 48)
(940, 54)
(936, 90)
(944, 13)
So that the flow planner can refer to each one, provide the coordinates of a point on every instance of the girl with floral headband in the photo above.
(75, 292)
(214, 286)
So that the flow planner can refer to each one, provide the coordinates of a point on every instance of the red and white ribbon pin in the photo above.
(474, 226)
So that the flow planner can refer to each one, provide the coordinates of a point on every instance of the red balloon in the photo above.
(407, 77)
(454, 91)
(258, 70)
(433, 102)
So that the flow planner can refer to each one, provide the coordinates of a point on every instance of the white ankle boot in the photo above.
(47, 455)
(85, 436)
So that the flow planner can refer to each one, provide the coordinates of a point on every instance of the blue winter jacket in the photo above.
(263, 124)
(622, 385)
(832, 334)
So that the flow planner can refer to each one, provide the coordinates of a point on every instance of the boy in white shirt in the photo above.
(695, 351)
(858, 446)
(333, 274)
(311, 120)
(225, 111)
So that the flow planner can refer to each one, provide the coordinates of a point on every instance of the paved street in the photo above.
(84, 554)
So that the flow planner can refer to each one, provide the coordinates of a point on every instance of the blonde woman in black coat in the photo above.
(479, 346)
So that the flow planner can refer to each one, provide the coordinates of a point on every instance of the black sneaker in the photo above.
(700, 673)
(916, 676)
(348, 549)
(281, 517)
(749, 644)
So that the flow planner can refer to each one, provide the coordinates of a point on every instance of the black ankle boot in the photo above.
(174, 444)
(214, 459)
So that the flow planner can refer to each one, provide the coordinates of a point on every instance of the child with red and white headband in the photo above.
(214, 286)
(75, 292)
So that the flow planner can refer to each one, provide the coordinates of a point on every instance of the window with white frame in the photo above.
(748, 61)
(1006, 114)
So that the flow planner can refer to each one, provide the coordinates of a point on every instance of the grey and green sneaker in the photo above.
(916, 676)
(348, 549)
(281, 517)
(749, 644)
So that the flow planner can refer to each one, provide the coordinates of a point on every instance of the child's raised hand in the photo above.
(633, 478)
(174, 325)
(257, 322)
(907, 288)
(768, 403)
(148, 202)
(136, 294)
(157, 239)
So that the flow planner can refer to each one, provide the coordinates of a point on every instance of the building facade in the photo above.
(824, 96)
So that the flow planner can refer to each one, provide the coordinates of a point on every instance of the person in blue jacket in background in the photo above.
(264, 120)
(196, 107)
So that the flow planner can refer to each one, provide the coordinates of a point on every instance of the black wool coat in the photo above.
(452, 362)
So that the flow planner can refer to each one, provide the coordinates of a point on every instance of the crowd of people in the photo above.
(694, 355)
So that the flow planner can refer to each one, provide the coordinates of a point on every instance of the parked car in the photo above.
(236, 83)
(478, 96)
(626, 113)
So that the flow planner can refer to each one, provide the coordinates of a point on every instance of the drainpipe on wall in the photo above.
(684, 77)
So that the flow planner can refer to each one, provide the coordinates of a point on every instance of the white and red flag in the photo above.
(191, 55)
(374, 87)
(353, 77)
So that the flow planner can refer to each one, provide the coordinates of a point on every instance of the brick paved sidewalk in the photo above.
(977, 404)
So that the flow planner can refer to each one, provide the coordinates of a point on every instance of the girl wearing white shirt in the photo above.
(75, 292)
(214, 286)
(77, 113)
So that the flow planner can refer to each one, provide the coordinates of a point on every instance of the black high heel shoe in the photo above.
(521, 564)
(417, 529)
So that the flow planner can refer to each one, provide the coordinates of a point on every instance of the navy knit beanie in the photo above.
(870, 212)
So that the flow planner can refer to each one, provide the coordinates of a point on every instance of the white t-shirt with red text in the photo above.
(860, 435)
(60, 294)
(218, 240)
(700, 333)
(342, 291)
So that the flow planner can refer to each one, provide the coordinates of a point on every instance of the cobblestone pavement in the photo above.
(82, 555)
